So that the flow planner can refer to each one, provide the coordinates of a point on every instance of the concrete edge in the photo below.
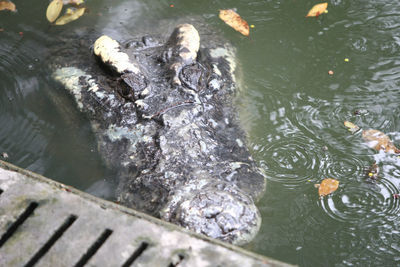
(108, 204)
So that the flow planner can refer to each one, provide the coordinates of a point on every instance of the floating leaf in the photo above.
(351, 126)
(7, 5)
(327, 186)
(73, 2)
(317, 10)
(379, 141)
(54, 10)
(233, 19)
(70, 15)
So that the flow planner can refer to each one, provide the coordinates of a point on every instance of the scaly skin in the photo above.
(164, 120)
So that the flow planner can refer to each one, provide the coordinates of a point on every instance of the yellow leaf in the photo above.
(70, 11)
(7, 5)
(379, 141)
(317, 10)
(233, 19)
(54, 10)
(73, 2)
(70, 15)
(351, 126)
(328, 186)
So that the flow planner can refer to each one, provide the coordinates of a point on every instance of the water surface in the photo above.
(292, 109)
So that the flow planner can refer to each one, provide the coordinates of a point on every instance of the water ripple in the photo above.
(362, 203)
(20, 131)
(341, 166)
(292, 161)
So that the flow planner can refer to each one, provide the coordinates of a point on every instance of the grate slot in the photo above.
(93, 249)
(143, 246)
(21, 219)
(57, 234)
(1, 191)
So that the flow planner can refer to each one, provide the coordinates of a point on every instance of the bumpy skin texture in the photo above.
(171, 131)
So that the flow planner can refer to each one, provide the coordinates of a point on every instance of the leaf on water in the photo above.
(233, 19)
(317, 10)
(54, 10)
(7, 5)
(351, 126)
(379, 141)
(328, 186)
(73, 2)
(70, 15)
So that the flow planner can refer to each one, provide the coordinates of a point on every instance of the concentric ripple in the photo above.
(341, 166)
(365, 203)
(20, 131)
(373, 213)
(292, 160)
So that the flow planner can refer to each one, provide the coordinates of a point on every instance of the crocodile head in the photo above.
(163, 115)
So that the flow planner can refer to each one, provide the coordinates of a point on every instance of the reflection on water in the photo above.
(292, 109)
(40, 128)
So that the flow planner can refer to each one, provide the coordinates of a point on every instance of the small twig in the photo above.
(176, 105)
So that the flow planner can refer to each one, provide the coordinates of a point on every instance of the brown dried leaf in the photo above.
(54, 10)
(379, 141)
(328, 186)
(234, 20)
(317, 10)
(7, 5)
(70, 15)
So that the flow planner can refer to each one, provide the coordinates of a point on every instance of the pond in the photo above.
(291, 107)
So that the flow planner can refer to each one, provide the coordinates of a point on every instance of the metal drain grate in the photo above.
(45, 223)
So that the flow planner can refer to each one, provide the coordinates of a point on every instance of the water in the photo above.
(291, 107)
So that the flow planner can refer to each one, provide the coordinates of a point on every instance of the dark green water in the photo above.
(292, 109)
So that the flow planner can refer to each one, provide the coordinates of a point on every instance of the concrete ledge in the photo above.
(45, 222)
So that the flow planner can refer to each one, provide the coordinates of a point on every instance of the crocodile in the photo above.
(162, 110)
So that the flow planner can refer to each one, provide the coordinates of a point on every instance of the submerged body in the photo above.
(163, 115)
